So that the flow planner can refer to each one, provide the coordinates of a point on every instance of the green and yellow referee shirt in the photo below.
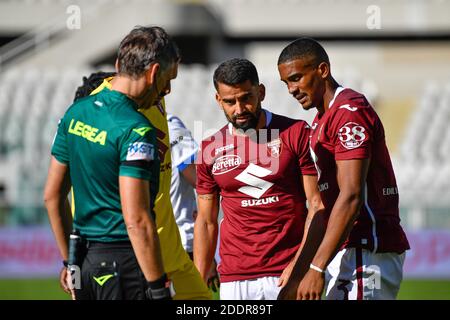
(100, 138)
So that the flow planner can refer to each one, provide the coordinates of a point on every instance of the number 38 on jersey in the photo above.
(351, 135)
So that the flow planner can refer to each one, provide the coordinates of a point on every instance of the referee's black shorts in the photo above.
(110, 271)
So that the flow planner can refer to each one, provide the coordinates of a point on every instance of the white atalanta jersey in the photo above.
(183, 149)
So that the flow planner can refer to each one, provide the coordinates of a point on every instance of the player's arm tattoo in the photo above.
(207, 196)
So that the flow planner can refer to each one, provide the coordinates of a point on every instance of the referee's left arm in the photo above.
(57, 188)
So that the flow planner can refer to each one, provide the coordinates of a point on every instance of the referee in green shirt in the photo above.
(107, 151)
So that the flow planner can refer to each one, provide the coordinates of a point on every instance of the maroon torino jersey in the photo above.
(263, 201)
(351, 129)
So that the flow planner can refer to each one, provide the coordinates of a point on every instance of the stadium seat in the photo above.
(33, 101)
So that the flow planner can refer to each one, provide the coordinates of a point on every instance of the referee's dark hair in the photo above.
(144, 46)
(304, 48)
(235, 71)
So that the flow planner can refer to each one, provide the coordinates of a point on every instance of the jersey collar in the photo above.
(268, 117)
(336, 93)
(268, 120)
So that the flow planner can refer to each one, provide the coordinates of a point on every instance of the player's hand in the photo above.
(214, 283)
(289, 291)
(64, 280)
(311, 287)
(283, 280)
(213, 278)
(289, 288)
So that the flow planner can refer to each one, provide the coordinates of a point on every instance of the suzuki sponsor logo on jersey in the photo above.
(225, 164)
(352, 135)
(274, 147)
(224, 148)
(141, 151)
(255, 186)
(259, 202)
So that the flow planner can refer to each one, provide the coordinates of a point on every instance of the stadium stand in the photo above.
(32, 101)
(423, 164)
(36, 84)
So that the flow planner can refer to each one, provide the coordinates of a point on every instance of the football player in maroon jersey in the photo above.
(260, 166)
(362, 252)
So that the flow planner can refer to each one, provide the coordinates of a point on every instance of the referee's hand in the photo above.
(64, 280)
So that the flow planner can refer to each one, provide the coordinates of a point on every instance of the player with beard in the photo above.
(259, 163)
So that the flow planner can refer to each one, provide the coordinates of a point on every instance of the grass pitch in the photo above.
(48, 289)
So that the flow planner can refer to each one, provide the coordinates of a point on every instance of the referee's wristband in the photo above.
(311, 266)
(160, 289)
